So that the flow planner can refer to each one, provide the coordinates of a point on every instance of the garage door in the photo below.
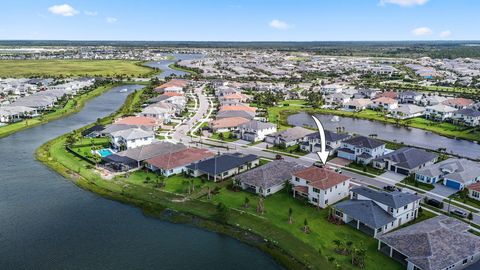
(402, 171)
(452, 184)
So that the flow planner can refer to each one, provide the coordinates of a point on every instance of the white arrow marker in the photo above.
(323, 154)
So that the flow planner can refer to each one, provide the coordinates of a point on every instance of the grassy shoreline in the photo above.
(279, 115)
(287, 244)
(175, 67)
(69, 108)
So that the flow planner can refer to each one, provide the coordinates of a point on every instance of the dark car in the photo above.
(278, 157)
(434, 203)
(390, 188)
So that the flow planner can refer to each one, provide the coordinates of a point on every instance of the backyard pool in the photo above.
(104, 152)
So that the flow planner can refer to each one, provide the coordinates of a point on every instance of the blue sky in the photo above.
(241, 20)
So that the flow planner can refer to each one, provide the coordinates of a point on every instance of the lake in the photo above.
(47, 222)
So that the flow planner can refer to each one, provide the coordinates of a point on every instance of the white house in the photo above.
(131, 138)
(407, 111)
(376, 212)
(455, 173)
(361, 149)
(384, 103)
(469, 117)
(439, 112)
(254, 130)
(320, 186)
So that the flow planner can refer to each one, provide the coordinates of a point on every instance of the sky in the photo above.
(240, 20)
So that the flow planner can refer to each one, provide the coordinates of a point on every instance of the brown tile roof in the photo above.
(320, 177)
(462, 102)
(137, 120)
(181, 158)
(389, 94)
(228, 122)
(385, 100)
(173, 83)
(172, 94)
(235, 96)
(475, 187)
(238, 108)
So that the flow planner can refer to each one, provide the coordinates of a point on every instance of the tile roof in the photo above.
(366, 211)
(469, 112)
(172, 94)
(475, 187)
(137, 120)
(271, 174)
(151, 150)
(222, 163)
(409, 157)
(460, 102)
(180, 158)
(435, 243)
(395, 199)
(133, 133)
(257, 125)
(228, 122)
(329, 136)
(385, 100)
(293, 133)
(238, 108)
(173, 83)
(228, 114)
(320, 177)
(461, 170)
(364, 142)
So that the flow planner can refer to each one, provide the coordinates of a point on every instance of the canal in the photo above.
(410, 136)
(47, 222)
(164, 64)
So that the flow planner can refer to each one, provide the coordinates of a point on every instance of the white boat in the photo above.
(124, 90)
(335, 118)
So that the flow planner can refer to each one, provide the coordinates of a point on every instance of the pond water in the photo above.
(409, 136)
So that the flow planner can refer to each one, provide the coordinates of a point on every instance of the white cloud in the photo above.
(422, 31)
(63, 10)
(111, 19)
(404, 3)
(90, 13)
(445, 34)
(281, 25)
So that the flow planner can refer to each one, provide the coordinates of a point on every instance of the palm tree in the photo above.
(290, 215)
(305, 226)
(246, 202)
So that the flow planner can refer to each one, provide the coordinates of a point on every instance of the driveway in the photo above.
(443, 190)
(392, 176)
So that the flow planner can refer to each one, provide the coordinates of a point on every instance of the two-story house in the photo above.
(439, 112)
(410, 97)
(361, 149)
(320, 186)
(312, 143)
(384, 103)
(131, 138)
(469, 117)
(376, 212)
(254, 130)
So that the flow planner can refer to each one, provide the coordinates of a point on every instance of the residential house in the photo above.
(163, 112)
(388, 94)
(455, 173)
(232, 99)
(410, 97)
(157, 148)
(407, 111)
(320, 186)
(357, 105)
(468, 116)
(458, 103)
(131, 138)
(239, 107)
(240, 113)
(361, 149)
(405, 160)
(227, 124)
(384, 103)
(175, 162)
(432, 100)
(139, 121)
(288, 137)
(223, 166)
(439, 112)
(376, 212)
(11, 114)
(336, 100)
(474, 191)
(269, 178)
(179, 83)
(331, 88)
(254, 130)
(333, 141)
(437, 243)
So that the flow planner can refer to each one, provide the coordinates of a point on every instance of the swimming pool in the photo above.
(104, 152)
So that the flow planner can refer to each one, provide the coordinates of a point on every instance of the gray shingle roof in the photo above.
(151, 150)
(293, 133)
(271, 174)
(408, 157)
(394, 199)
(461, 170)
(364, 142)
(329, 136)
(228, 114)
(435, 243)
(469, 112)
(366, 211)
(222, 163)
(257, 125)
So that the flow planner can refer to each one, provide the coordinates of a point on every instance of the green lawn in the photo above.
(294, 149)
(367, 169)
(459, 197)
(322, 234)
(68, 68)
(412, 182)
(227, 137)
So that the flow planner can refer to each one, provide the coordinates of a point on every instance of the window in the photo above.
(316, 190)
(326, 201)
(314, 200)
(465, 261)
(297, 179)
(405, 207)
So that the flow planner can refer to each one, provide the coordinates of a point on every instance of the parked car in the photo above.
(434, 203)
(278, 157)
(459, 213)
(390, 188)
